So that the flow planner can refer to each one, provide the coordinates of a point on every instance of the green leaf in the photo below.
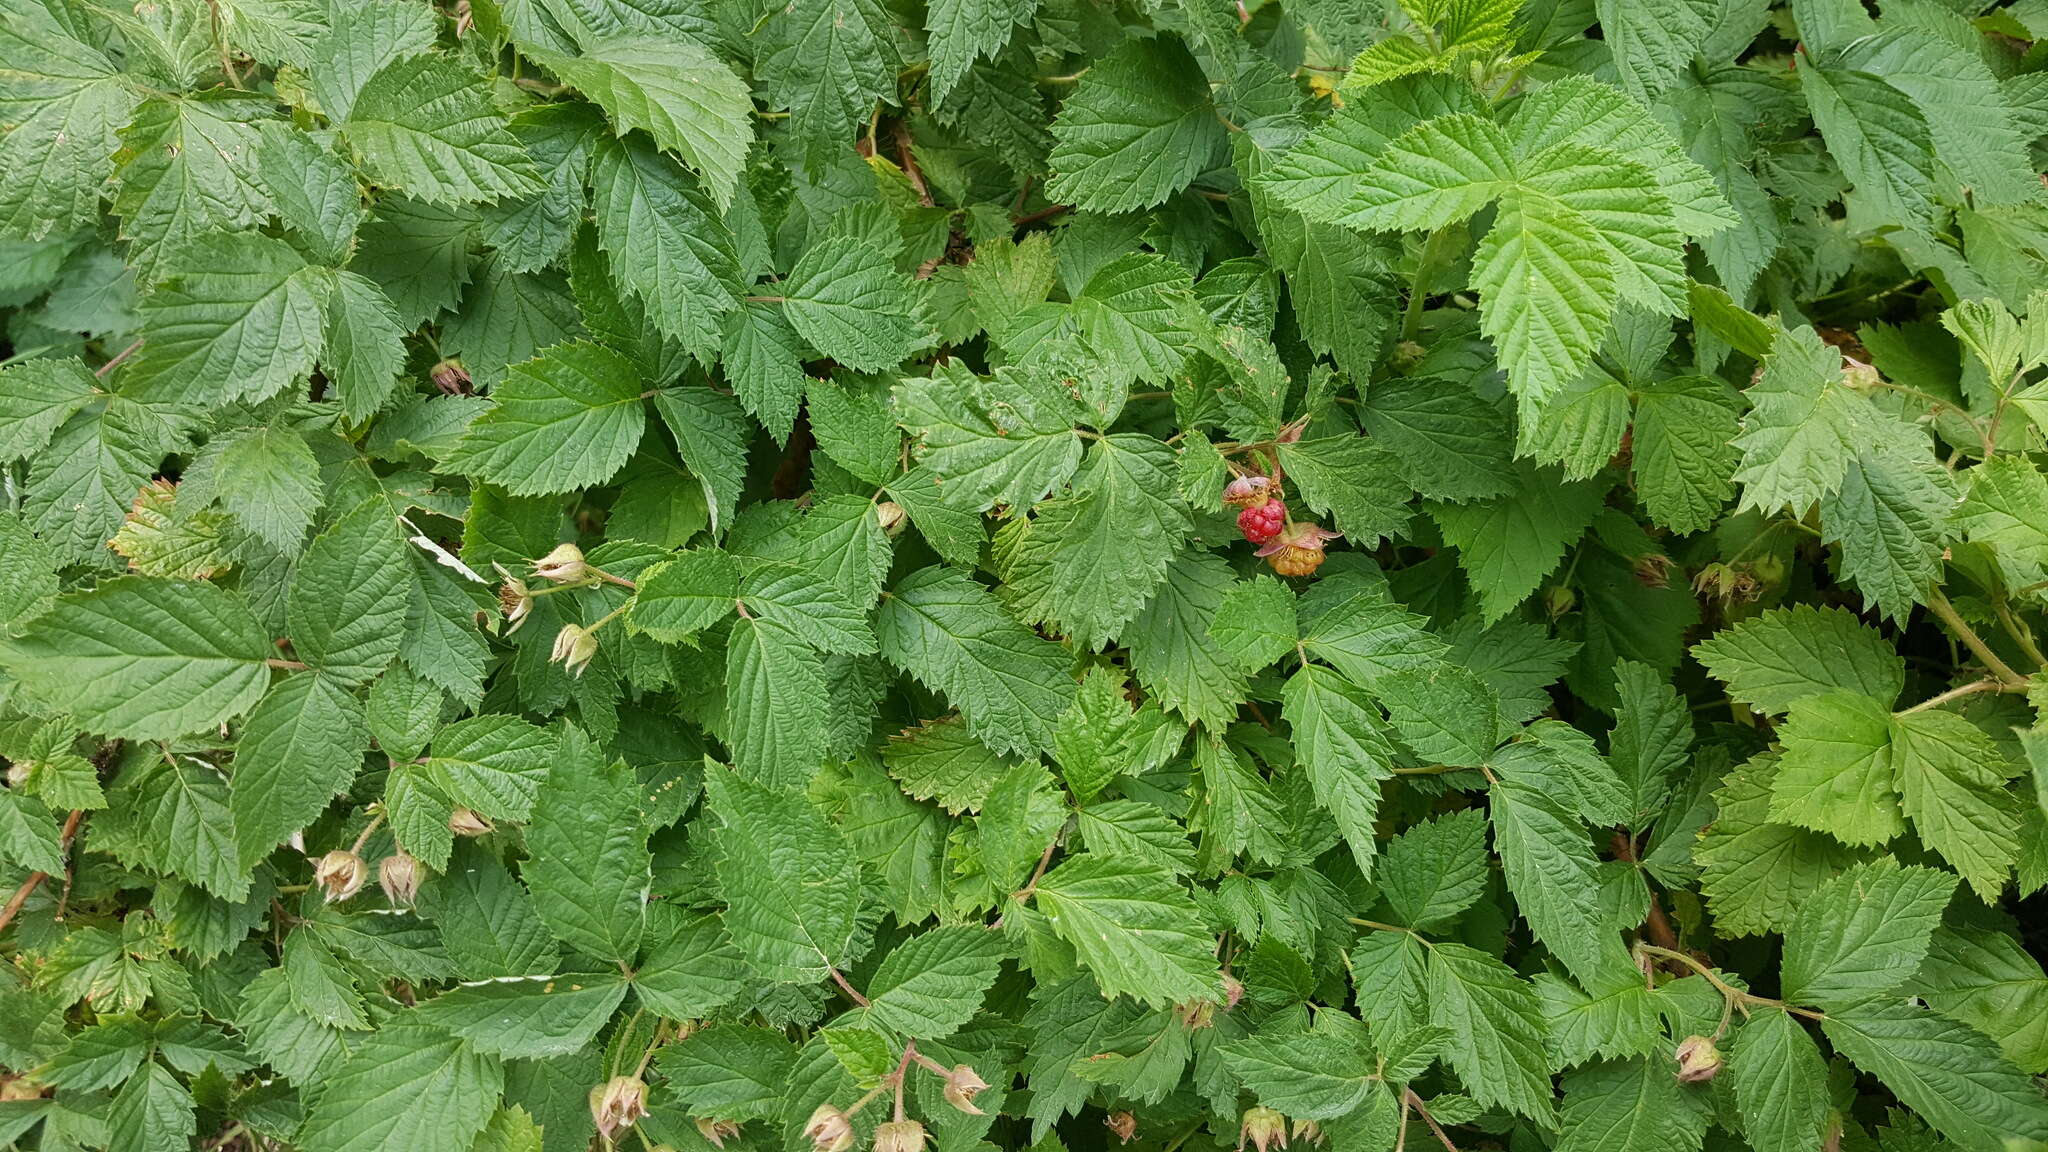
(1684, 450)
(1653, 42)
(1951, 779)
(1950, 1075)
(1256, 622)
(1878, 137)
(231, 316)
(1137, 129)
(37, 397)
(270, 481)
(300, 748)
(665, 241)
(530, 1018)
(1133, 926)
(953, 636)
(680, 597)
(1496, 1029)
(691, 971)
(28, 834)
(1435, 870)
(69, 99)
(1651, 741)
(1837, 771)
(495, 764)
(361, 349)
(1986, 979)
(1780, 1083)
(426, 125)
(931, 985)
(1756, 873)
(791, 885)
(1086, 564)
(144, 659)
(1547, 860)
(152, 1112)
(1508, 546)
(1005, 440)
(1312, 1075)
(566, 419)
(1342, 742)
(345, 614)
(1451, 444)
(961, 30)
(845, 296)
(776, 704)
(737, 1073)
(1630, 1104)
(1779, 657)
(1863, 932)
(709, 430)
(188, 170)
(673, 88)
(587, 862)
(1801, 431)
(405, 1085)
(1354, 481)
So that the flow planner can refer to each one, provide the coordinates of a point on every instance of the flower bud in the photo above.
(341, 873)
(450, 377)
(1233, 991)
(1653, 570)
(564, 565)
(1698, 1060)
(575, 646)
(515, 600)
(1263, 1127)
(961, 1085)
(1308, 1131)
(717, 1132)
(20, 1088)
(466, 822)
(399, 875)
(617, 1104)
(1123, 1124)
(1246, 491)
(17, 773)
(899, 1136)
(829, 1130)
(891, 516)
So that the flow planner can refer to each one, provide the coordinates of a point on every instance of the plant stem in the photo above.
(1946, 613)
(852, 993)
(1418, 288)
(2020, 633)
(375, 823)
(1729, 992)
(1988, 684)
(1409, 1098)
(28, 886)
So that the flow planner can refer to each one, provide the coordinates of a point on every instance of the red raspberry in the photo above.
(1262, 522)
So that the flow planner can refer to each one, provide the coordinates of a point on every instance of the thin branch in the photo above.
(1988, 684)
(1728, 991)
(1409, 1098)
(286, 665)
(852, 993)
(1030, 218)
(28, 886)
(1038, 873)
(1947, 614)
(123, 354)
(924, 195)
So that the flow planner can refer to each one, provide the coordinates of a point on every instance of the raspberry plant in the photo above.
(1035, 574)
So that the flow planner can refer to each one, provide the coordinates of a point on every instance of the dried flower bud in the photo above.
(466, 822)
(1698, 1060)
(1298, 550)
(1653, 570)
(961, 1085)
(1195, 1014)
(399, 875)
(1233, 991)
(1263, 1127)
(17, 773)
(1124, 1125)
(564, 565)
(1308, 1131)
(617, 1104)
(829, 1130)
(717, 1132)
(1407, 354)
(575, 646)
(20, 1088)
(1246, 491)
(892, 518)
(450, 377)
(1857, 374)
(899, 1136)
(515, 599)
(341, 873)
(1727, 583)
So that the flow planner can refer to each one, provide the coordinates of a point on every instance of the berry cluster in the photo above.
(1263, 521)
